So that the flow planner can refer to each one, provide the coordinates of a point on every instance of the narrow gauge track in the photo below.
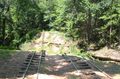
(32, 63)
(84, 64)
(96, 67)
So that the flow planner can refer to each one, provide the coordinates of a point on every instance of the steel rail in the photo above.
(100, 70)
(39, 63)
(72, 63)
(23, 77)
(93, 65)
(97, 68)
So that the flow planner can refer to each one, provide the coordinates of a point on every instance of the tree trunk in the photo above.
(110, 37)
(3, 31)
(88, 27)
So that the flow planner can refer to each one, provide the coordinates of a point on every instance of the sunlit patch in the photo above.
(60, 65)
(64, 63)
(75, 73)
(105, 65)
(43, 76)
(116, 76)
(60, 60)
(56, 68)
(100, 74)
(49, 68)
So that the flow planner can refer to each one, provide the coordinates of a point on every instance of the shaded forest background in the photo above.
(86, 21)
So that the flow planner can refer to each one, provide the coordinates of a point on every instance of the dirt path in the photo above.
(54, 67)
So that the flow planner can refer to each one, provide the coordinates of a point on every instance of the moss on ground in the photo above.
(4, 54)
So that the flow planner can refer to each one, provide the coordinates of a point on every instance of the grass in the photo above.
(5, 54)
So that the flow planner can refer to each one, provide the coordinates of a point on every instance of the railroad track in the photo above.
(33, 61)
(32, 64)
(84, 64)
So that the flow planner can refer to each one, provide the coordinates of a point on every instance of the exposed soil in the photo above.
(110, 61)
(9, 67)
(54, 67)
(107, 54)
(53, 42)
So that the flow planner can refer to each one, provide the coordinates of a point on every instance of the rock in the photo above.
(107, 54)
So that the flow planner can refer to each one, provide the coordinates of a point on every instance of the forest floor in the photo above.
(110, 61)
(55, 67)
(10, 61)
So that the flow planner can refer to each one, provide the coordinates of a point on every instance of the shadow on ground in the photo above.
(110, 67)
(54, 65)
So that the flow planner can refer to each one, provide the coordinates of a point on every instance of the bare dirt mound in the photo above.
(54, 42)
(107, 54)
(108, 63)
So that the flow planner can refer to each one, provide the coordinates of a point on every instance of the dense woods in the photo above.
(88, 21)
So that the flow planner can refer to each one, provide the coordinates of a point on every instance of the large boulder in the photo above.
(107, 54)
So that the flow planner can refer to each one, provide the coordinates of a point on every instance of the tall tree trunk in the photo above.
(110, 37)
(96, 19)
(88, 27)
(3, 31)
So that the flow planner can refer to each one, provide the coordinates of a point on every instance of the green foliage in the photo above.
(110, 27)
(79, 52)
(19, 21)
(92, 21)
(7, 47)
(6, 53)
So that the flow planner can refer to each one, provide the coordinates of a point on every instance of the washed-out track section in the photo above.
(31, 64)
(85, 68)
